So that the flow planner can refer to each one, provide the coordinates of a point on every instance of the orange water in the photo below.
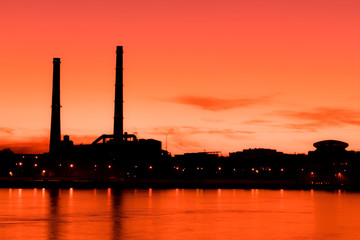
(178, 214)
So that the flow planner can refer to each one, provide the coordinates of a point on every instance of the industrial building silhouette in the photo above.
(109, 154)
(123, 159)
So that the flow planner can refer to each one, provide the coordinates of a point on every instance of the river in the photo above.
(178, 214)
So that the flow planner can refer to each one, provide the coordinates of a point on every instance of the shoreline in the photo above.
(169, 184)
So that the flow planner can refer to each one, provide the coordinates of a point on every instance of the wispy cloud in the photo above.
(321, 118)
(257, 121)
(4, 130)
(190, 138)
(28, 145)
(189, 130)
(39, 144)
(219, 104)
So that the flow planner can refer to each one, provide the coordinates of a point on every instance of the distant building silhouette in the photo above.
(330, 163)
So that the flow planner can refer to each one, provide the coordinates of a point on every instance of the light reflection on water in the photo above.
(178, 214)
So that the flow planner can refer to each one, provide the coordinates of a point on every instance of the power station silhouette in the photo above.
(117, 150)
(123, 159)
(118, 139)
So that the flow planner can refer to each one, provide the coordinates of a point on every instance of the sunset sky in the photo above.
(210, 75)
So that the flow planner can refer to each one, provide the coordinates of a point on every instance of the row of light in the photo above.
(44, 171)
(176, 167)
(36, 157)
(11, 173)
(219, 168)
(70, 165)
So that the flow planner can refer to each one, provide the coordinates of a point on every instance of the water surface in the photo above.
(178, 214)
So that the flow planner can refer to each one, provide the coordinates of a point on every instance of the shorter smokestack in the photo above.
(55, 132)
(118, 115)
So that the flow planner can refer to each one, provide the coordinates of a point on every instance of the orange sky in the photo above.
(213, 75)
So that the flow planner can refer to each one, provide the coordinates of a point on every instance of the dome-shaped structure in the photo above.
(330, 144)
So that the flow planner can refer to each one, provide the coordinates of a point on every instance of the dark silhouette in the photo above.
(108, 155)
(55, 132)
(118, 113)
(121, 159)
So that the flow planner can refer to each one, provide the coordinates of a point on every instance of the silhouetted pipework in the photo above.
(55, 132)
(118, 115)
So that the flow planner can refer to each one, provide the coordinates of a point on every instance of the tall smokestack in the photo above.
(55, 133)
(118, 115)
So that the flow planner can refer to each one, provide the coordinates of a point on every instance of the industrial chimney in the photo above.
(55, 133)
(118, 115)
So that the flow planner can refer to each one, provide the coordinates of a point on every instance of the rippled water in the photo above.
(178, 214)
